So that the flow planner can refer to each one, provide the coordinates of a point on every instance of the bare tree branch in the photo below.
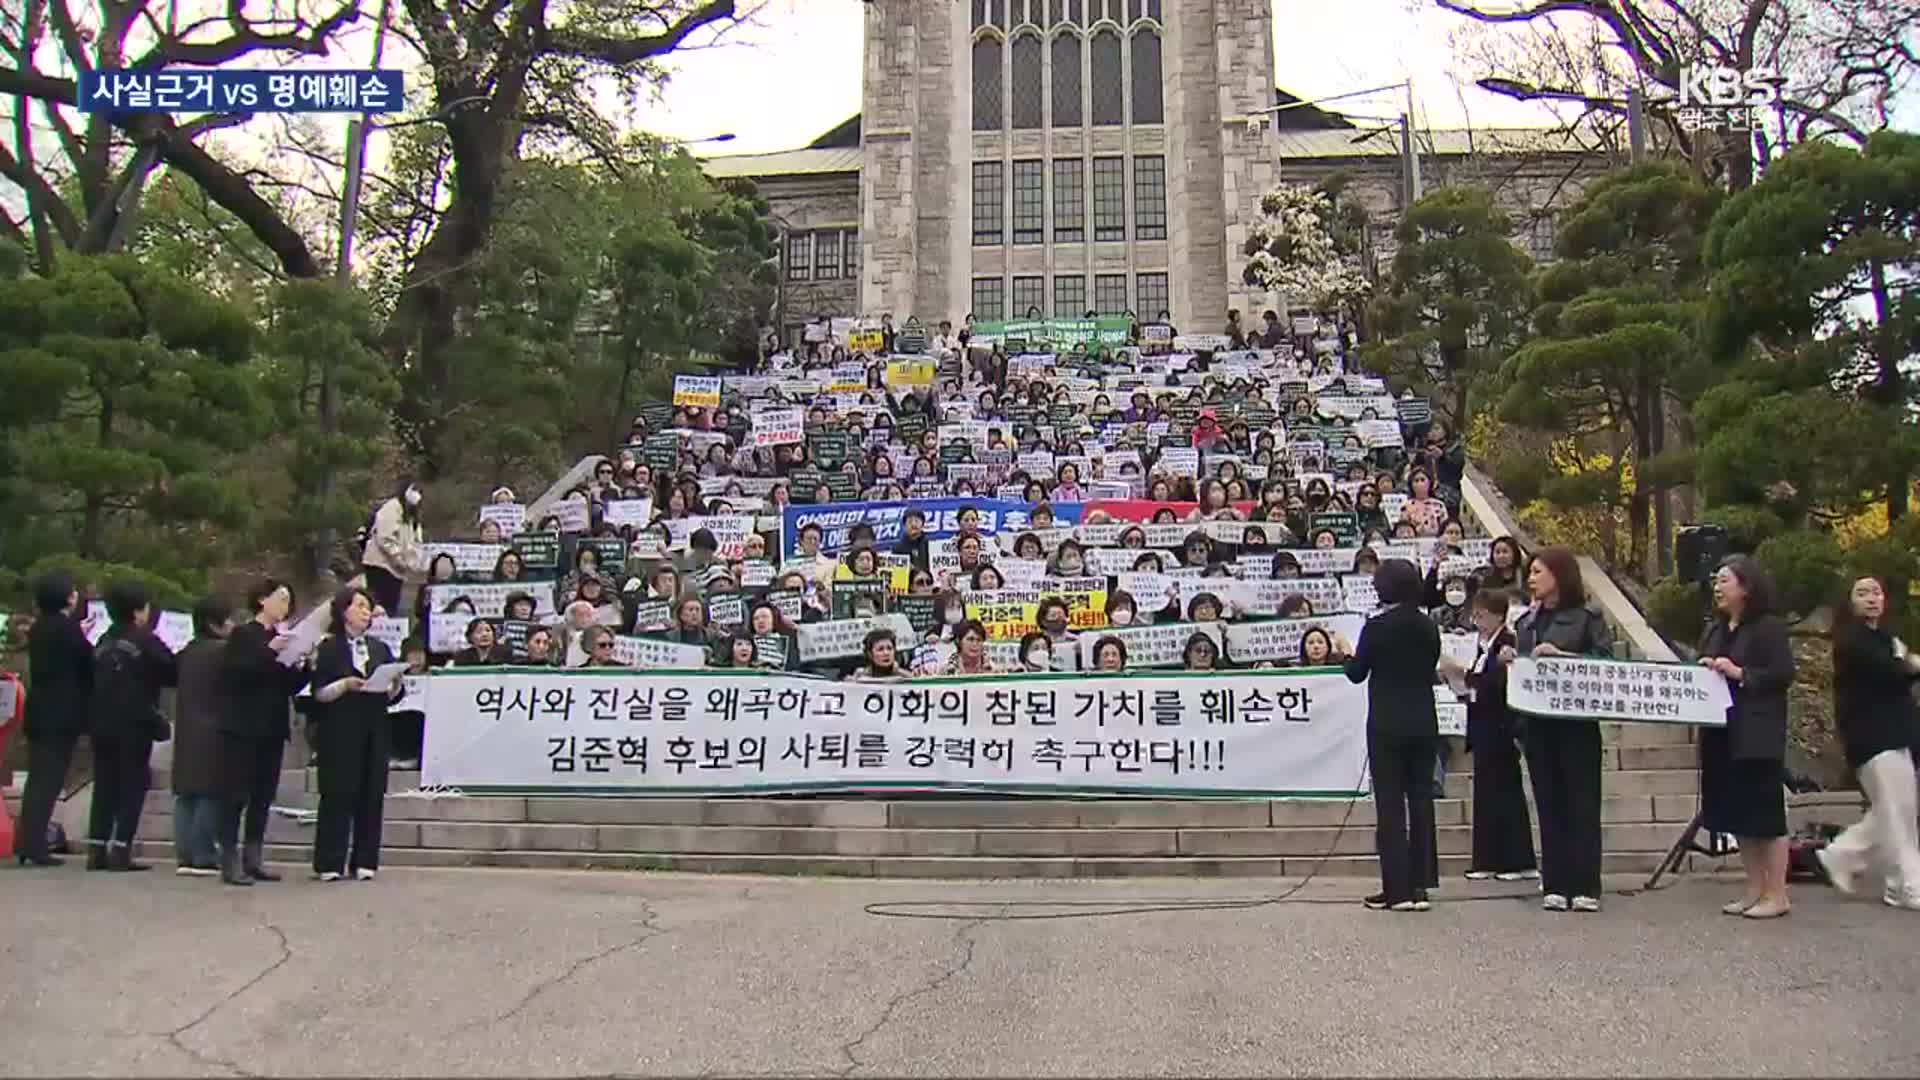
(612, 50)
(246, 39)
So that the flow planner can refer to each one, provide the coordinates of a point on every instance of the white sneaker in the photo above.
(1586, 903)
(330, 875)
(1553, 901)
(1481, 875)
(1904, 899)
(1518, 875)
(195, 871)
(1843, 876)
(363, 874)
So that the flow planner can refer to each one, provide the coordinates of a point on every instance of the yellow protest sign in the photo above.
(867, 341)
(908, 374)
(1006, 621)
(698, 390)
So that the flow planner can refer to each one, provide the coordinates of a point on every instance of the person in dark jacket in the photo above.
(1502, 829)
(1873, 675)
(1563, 754)
(1396, 656)
(196, 741)
(59, 691)
(130, 667)
(914, 545)
(256, 687)
(354, 741)
(1742, 771)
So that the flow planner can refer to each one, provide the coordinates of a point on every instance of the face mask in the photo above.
(1121, 616)
(413, 496)
(953, 615)
(1456, 597)
(1039, 658)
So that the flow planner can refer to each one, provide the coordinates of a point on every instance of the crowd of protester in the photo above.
(999, 502)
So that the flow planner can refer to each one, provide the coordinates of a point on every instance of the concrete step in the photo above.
(1451, 866)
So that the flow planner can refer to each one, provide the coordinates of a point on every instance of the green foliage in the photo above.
(92, 576)
(1806, 567)
(1677, 609)
(128, 393)
(319, 338)
(1457, 298)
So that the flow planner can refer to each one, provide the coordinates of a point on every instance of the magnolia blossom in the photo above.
(1296, 252)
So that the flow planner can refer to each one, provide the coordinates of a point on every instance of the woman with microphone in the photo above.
(1396, 656)
(354, 738)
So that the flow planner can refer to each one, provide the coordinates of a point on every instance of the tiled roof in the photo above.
(785, 163)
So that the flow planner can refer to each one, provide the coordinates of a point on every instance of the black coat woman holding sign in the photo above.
(1396, 656)
(354, 739)
(1742, 775)
(1502, 830)
(1563, 752)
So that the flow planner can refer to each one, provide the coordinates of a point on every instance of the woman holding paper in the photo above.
(1742, 777)
(1502, 833)
(355, 679)
(1563, 753)
(1873, 676)
(261, 669)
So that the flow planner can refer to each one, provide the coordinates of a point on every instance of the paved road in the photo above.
(452, 972)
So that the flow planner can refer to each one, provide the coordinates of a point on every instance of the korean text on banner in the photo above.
(700, 390)
(1579, 688)
(1265, 733)
(836, 520)
(779, 427)
(909, 374)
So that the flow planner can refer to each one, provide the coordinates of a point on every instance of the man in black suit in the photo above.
(1396, 656)
(60, 682)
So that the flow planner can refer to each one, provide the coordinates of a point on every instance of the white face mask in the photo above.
(1456, 597)
(953, 615)
(413, 496)
(1121, 616)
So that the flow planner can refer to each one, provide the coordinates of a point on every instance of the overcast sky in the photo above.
(797, 72)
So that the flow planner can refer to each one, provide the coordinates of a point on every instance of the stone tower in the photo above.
(1003, 167)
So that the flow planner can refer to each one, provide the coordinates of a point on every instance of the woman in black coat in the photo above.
(1742, 773)
(253, 729)
(131, 666)
(354, 740)
(1396, 656)
(59, 689)
(1563, 753)
(1502, 827)
(1873, 675)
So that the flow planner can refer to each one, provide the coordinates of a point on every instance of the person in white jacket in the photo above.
(392, 553)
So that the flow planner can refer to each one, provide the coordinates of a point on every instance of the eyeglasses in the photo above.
(598, 645)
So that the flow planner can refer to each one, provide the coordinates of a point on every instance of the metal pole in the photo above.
(1636, 126)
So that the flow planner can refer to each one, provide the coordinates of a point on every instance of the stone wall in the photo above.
(889, 93)
(805, 204)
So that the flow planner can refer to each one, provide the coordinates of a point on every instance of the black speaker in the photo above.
(1698, 551)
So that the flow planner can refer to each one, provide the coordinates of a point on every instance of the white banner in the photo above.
(490, 600)
(635, 512)
(511, 517)
(467, 558)
(1256, 733)
(838, 639)
(1589, 689)
(648, 654)
(1160, 645)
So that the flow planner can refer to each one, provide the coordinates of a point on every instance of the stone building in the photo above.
(1074, 155)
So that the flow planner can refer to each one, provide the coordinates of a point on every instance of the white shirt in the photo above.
(360, 657)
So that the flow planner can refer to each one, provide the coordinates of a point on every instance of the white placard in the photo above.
(173, 628)
(1271, 733)
(649, 654)
(574, 515)
(635, 512)
(510, 517)
(490, 599)
(391, 630)
(779, 427)
(1580, 688)
(1279, 639)
(1156, 646)
(467, 558)
(837, 639)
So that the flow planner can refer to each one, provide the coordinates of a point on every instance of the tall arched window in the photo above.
(987, 110)
(1109, 96)
(1147, 105)
(1029, 95)
(1066, 81)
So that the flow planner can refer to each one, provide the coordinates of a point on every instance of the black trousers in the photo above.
(1402, 767)
(249, 779)
(1502, 827)
(384, 588)
(120, 780)
(1564, 757)
(48, 758)
(351, 808)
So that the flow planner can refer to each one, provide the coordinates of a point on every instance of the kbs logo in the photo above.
(1713, 96)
